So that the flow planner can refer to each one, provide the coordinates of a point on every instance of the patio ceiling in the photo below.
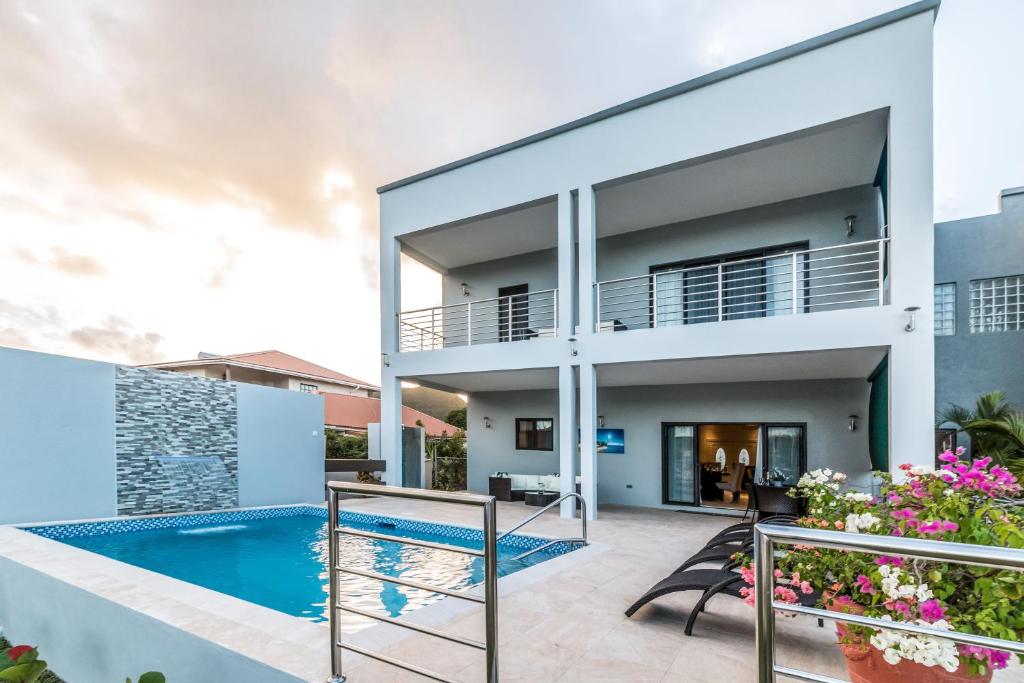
(834, 364)
(810, 365)
(820, 159)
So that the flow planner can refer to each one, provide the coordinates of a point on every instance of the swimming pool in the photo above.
(277, 557)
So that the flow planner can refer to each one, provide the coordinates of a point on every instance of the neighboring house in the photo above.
(728, 263)
(979, 305)
(272, 369)
(349, 404)
(354, 413)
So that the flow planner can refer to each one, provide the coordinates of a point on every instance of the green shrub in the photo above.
(349, 446)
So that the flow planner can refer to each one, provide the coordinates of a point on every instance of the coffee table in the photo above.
(540, 498)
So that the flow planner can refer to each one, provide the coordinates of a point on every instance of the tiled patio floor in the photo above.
(569, 624)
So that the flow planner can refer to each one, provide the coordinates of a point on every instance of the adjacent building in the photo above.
(979, 305)
(728, 278)
(350, 405)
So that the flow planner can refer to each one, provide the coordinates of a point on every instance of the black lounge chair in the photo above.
(710, 582)
(715, 554)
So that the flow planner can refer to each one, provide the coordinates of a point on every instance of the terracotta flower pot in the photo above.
(865, 663)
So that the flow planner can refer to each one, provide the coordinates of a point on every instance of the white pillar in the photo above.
(587, 212)
(912, 278)
(567, 430)
(588, 437)
(391, 427)
(566, 266)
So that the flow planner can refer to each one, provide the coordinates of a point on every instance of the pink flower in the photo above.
(865, 584)
(889, 559)
(932, 611)
(786, 594)
(948, 457)
(806, 588)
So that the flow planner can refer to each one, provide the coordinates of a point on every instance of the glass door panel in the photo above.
(785, 461)
(679, 461)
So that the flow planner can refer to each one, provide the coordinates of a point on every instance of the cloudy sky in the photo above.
(183, 175)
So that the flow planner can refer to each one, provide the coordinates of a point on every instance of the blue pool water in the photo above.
(277, 557)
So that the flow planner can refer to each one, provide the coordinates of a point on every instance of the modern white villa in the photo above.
(729, 279)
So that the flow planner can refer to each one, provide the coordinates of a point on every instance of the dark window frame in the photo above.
(532, 446)
(714, 260)
(802, 426)
(309, 388)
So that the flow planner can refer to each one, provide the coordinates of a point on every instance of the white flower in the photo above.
(859, 497)
(925, 650)
(839, 476)
(858, 523)
(922, 469)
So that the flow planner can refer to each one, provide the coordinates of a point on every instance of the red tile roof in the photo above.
(355, 412)
(288, 363)
(273, 360)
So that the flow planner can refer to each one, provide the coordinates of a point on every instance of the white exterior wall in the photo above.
(635, 477)
(886, 68)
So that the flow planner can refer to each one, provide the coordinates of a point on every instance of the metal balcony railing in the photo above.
(767, 535)
(805, 281)
(489, 599)
(516, 317)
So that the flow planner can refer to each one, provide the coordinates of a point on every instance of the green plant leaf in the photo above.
(152, 677)
(27, 672)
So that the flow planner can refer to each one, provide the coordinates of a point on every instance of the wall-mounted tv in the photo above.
(611, 441)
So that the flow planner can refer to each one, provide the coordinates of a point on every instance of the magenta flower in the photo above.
(948, 457)
(932, 611)
(889, 559)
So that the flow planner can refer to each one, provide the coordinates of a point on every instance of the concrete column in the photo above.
(588, 437)
(588, 258)
(391, 427)
(566, 266)
(567, 429)
(390, 293)
(911, 277)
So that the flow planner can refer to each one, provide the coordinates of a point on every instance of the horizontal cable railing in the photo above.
(805, 281)
(516, 317)
(489, 598)
(767, 535)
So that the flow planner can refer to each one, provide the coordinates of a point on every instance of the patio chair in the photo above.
(734, 484)
(773, 501)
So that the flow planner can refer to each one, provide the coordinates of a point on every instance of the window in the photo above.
(997, 304)
(535, 434)
(945, 309)
(309, 388)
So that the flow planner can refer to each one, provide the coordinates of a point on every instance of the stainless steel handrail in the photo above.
(554, 541)
(766, 535)
(490, 593)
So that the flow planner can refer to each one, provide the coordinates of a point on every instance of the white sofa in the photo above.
(508, 486)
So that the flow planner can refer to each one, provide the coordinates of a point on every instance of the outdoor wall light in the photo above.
(600, 421)
(572, 346)
(385, 361)
(465, 289)
(912, 312)
(487, 422)
(853, 422)
(849, 224)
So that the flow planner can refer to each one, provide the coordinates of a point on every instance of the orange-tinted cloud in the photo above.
(114, 338)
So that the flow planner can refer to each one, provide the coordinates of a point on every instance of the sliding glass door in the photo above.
(679, 462)
(785, 454)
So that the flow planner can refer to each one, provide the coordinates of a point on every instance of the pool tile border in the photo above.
(62, 531)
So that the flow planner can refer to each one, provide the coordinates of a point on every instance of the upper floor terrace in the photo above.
(795, 225)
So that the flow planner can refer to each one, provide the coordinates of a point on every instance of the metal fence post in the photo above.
(721, 294)
(881, 272)
(491, 589)
(764, 583)
(793, 294)
(469, 323)
(332, 597)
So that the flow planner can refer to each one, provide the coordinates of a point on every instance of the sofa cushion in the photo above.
(519, 481)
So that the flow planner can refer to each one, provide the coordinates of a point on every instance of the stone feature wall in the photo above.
(176, 442)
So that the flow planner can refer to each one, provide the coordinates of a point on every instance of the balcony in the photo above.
(518, 317)
(789, 283)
